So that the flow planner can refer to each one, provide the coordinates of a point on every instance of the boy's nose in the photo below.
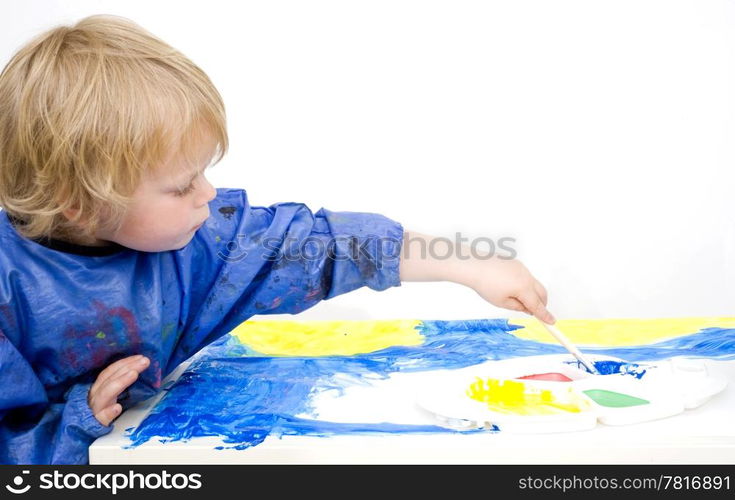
(212, 192)
(208, 192)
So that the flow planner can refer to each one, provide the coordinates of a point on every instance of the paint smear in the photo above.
(518, 398)
(619, 368)
(611, 399)
(326, 338)
(609, 367)
(551, 377)
(620, 332)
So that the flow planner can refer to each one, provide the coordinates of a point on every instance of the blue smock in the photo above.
(67, 312)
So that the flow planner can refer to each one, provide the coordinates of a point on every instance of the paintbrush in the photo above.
(563, 340)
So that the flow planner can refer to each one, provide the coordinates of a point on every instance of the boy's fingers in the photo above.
(107, 415)
(534, 304)
(139, 365)
(114, 367)
(111, 389)
(513, 304)
(541, 291)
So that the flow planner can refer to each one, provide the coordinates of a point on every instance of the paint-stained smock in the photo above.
(67, 312)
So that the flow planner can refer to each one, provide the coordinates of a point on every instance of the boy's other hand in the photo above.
(110, 383)
(507, 283)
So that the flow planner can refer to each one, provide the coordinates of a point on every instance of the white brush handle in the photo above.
(563, 340)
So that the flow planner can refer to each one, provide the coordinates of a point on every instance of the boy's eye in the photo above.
(183, 192)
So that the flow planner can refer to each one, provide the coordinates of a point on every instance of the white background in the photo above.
(598, 134)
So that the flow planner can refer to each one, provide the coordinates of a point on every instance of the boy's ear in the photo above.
(70, 213)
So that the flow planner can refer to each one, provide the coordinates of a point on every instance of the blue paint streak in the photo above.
(714, 343)
(608, 367)
(234, 392)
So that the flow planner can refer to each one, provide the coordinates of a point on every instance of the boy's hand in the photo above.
(502, 282)
(508, 284)
(110, 383)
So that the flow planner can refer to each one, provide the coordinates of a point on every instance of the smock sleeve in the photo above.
(283, 258)
(34, 430)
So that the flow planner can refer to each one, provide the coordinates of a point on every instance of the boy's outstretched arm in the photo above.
(502, 282)
(285, 258)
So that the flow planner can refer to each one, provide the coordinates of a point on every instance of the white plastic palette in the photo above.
(632, 393)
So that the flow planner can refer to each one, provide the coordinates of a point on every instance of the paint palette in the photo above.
(557, 394)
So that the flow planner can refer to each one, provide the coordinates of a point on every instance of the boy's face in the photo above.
(169, 205)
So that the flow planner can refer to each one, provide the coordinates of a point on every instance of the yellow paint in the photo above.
(519, 398)
(345, 337)
(619, 332)
(326, 338)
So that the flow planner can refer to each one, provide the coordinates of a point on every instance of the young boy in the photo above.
(119, 260)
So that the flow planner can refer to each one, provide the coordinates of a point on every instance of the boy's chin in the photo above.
(186, 240)
(153, 247)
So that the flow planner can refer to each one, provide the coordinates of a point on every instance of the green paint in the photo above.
(217, 239)
(612, 399)
(167, 330)
(100, 335)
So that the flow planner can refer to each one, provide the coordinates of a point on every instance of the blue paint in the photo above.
(246, 400)
(234, 392)
(714, 343)
(613, 368)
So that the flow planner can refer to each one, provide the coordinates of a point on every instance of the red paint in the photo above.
(84, 353)
(553, 377)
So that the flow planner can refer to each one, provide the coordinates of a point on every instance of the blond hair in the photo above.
(84, 111)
